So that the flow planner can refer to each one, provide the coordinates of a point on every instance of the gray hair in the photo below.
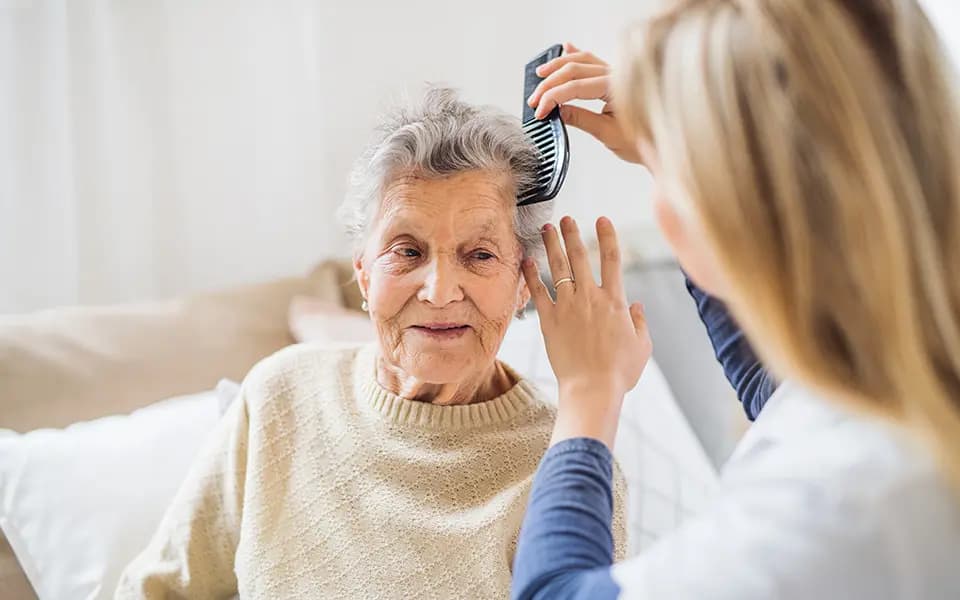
(440, 136)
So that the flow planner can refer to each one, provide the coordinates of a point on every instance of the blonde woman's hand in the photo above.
(579, 75)
(597, 345)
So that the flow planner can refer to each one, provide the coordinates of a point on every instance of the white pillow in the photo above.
(77, 504)
(227, 390)
(669, 477)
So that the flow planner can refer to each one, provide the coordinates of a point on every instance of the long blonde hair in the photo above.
(817, 144)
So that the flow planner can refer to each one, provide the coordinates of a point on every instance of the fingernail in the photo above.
(530, 100)
(540, 69)
(546, 227)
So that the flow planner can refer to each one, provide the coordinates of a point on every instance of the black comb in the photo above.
(549, 135)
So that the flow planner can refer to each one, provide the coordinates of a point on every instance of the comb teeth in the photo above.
(544, 138)
(548, 135)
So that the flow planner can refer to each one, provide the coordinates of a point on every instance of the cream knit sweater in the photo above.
(318, 483)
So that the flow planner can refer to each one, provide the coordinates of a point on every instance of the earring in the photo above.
(364, 306)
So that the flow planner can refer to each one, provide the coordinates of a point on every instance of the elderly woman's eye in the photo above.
(407, 252)
(483, 255)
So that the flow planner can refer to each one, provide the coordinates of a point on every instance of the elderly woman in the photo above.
(399, 470)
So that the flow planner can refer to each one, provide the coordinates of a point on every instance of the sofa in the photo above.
(71, 377)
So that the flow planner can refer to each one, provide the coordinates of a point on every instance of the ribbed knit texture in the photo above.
(319, 483)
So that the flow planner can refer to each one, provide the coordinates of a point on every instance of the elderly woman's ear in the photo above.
(523, 298)
(361, 275)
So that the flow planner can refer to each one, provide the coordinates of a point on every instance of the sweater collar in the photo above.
(404, 411)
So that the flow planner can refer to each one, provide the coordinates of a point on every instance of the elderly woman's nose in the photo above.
(441, 284)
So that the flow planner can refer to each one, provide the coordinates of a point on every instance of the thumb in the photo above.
(639, 318)
(593, 123)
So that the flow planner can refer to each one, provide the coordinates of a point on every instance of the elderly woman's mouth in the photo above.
(441, 331)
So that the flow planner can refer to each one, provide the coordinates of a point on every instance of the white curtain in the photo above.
(153, 147)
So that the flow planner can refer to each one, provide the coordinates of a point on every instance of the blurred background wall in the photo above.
(153, 147)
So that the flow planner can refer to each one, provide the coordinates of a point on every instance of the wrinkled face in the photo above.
(441, 274)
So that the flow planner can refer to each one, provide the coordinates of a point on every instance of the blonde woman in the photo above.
(807, 160)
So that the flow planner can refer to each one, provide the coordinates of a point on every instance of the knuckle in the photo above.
(611, 254)
(576, 86)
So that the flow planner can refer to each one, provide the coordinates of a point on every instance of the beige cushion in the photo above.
(342, 271)
(13, 582)
(65, 365)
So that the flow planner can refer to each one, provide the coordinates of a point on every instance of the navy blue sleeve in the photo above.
(566, 544)
(754, 385)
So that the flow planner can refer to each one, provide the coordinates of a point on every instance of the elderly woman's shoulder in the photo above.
(301, 365)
